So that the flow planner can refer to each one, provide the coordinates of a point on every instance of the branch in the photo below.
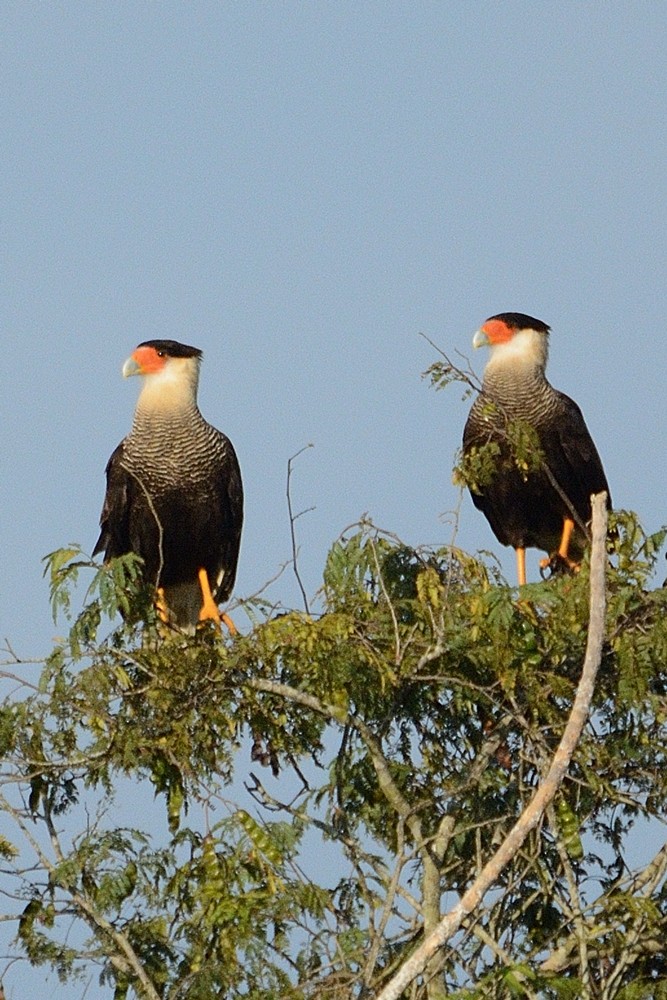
(545, 792)
(643, 883)
(391, 889)
(292, 520)
(452, 372)
(125, 958)
(577, 915)
(387, 784)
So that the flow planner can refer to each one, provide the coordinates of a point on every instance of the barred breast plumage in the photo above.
(546, 507)
(174, 491)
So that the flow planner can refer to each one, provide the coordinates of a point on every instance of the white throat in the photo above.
(173, 388)
(527, 350)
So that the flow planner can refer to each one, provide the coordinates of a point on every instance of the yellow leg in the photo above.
(209, 609)
(161, 606)
(568, 525)
(521, 566)
(563, 549)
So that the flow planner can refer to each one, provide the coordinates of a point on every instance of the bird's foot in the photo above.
(556, 564)
(211, 613)
(209, 610)
(231, 627)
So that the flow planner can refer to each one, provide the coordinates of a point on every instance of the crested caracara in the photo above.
(546, 507)
(174, 493)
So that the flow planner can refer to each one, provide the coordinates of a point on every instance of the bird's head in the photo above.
(514, 338)
(171, 370)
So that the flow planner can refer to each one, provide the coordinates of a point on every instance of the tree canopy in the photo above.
(385, 747)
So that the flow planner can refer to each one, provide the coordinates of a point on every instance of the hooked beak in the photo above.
(131, 367)
(480, 339)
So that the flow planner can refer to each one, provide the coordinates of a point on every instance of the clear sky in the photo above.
(301, 190)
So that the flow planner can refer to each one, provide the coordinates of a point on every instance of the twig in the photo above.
(546, 791)
(466, 375)
(292, 521)
(577, 917)
(387, 907)
(397, 633)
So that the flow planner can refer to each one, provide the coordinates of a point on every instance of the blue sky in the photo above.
(302, 190)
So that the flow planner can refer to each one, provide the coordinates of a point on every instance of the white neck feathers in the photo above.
(526, 352)
(172, 389)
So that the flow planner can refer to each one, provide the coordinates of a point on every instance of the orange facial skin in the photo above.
(497, 331)
(148, 360)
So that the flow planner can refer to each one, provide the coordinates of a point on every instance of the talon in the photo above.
(209, 609)
(231, 627)
(557, 563)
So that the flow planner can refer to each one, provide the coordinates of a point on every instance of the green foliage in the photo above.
(406, 726)
(443, 373)
(519, 449)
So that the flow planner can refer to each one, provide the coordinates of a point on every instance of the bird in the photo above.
(174, 493)
(543, 504)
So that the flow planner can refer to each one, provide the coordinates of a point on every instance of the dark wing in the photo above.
(501, 499)
(229, 519)
(484, 424)
(584, 474)
(114, 537)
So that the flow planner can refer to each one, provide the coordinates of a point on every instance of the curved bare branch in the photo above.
(546, 791)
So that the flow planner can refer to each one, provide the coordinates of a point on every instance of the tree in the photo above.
(400, 732)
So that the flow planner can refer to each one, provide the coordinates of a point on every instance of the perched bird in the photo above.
(546, 506)
(174, 492)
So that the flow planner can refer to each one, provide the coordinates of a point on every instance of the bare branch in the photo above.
(292, 521)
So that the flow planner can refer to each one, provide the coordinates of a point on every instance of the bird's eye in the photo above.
(160, 354)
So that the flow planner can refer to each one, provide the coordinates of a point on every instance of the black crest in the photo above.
(173, 349)
(519, 321)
